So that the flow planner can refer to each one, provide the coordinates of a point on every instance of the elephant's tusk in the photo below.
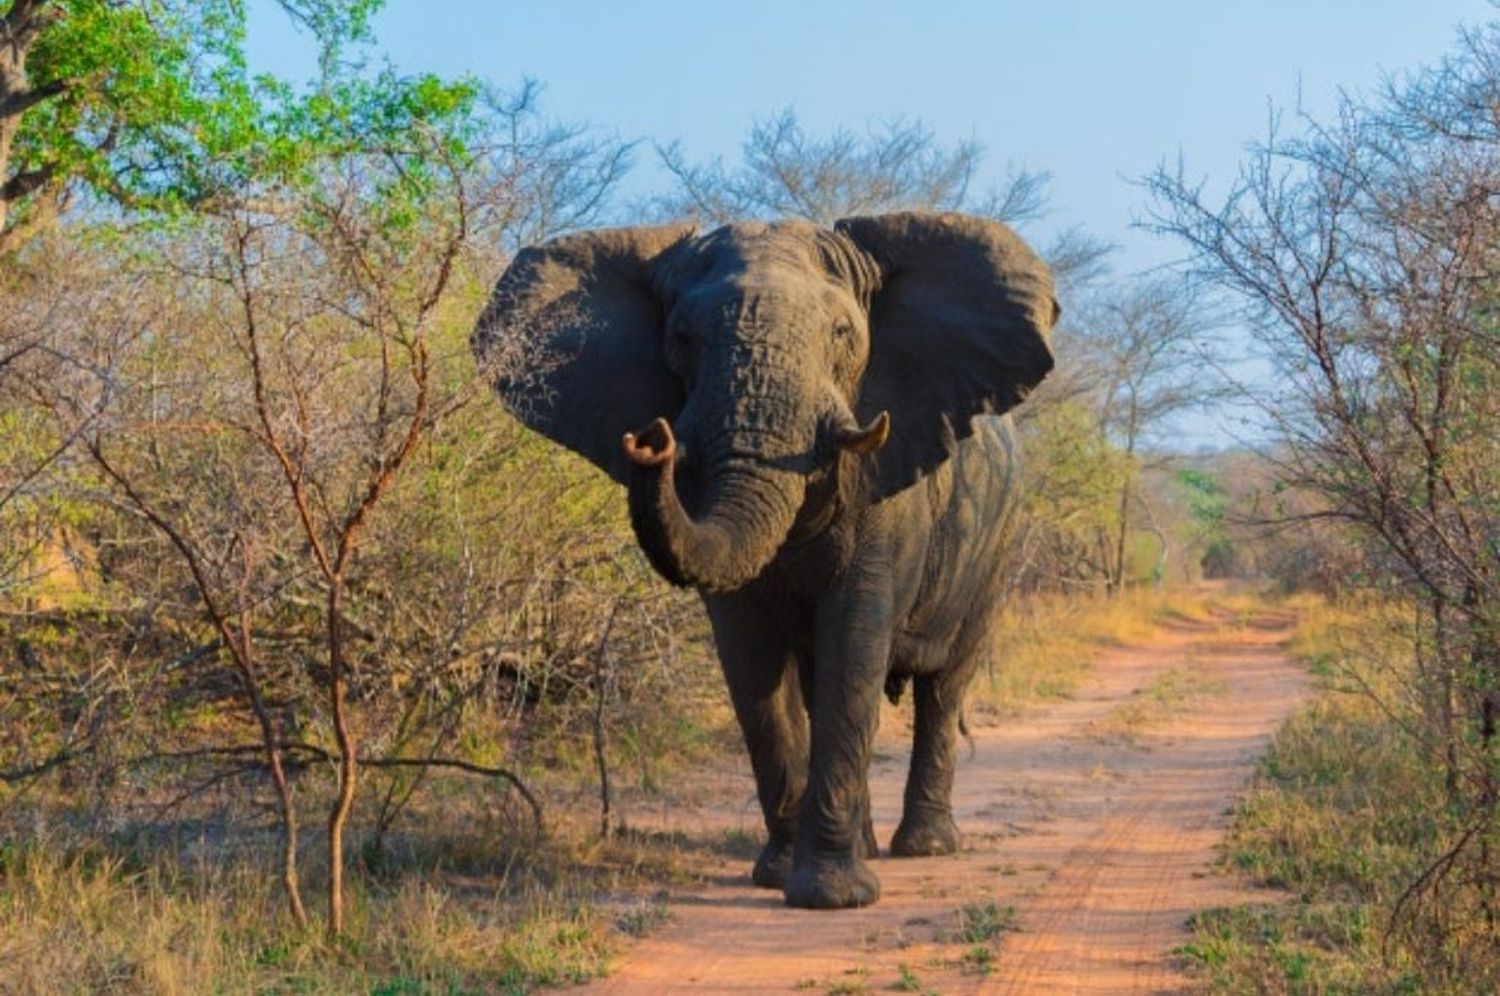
(868, 439)
(651, 446)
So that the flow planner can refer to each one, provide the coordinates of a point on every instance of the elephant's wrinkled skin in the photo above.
(804, 421)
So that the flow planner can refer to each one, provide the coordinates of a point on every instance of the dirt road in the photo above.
(1095, 818)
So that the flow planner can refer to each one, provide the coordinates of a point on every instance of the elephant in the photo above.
(811, 427)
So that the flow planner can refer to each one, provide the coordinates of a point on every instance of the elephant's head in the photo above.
(718, 375)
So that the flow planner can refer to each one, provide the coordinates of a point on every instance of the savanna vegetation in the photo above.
(1360, 252)
(318, 672)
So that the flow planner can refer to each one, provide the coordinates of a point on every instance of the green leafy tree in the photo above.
(150, 105)
(1208, 504)
(1070, 513)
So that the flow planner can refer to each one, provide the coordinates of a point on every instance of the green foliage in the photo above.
(1208, 504)
(1071, 505)
(907, 981)
(156, 108)
(980, 959)
(1082, 470)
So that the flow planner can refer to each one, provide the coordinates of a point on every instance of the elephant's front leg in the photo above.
(853, 645)
(763, 684)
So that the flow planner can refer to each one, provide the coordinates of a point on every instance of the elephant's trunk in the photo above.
(749, 511)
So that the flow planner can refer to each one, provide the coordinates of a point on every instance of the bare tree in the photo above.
(1146, 345)
(785, 172)
(1364, 255)
(307, 347)
(541, 178)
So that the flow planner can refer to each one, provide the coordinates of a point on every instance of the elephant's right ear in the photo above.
(571, 339)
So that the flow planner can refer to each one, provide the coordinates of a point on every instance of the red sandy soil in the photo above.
(1095, 817)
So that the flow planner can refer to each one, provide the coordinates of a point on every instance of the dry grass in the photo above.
(462, 898)
(1045, 645)
(459, 899)
(89, 921)
(1167, 694)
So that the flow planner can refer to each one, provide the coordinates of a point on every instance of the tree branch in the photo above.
(19, 103)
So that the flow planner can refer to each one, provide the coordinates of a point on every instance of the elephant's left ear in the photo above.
(958, 328)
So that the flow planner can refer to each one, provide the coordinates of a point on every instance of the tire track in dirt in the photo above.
(1095, 817)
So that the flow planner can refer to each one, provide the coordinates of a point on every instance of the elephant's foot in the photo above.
(925, 835)
(832, 884)
(774, 865)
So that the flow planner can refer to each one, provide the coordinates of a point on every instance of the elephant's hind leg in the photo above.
(927, 825)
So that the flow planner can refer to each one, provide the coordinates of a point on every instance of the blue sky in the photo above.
(1095, 92)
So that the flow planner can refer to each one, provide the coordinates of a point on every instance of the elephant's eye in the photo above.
(679, 344)
(843, 329)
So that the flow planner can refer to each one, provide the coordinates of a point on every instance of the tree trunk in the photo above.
(1447, 704)
(289, 878)
(12, 81)
(19, 28)
(344, 737)
(1117, 582)
(601, 690)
